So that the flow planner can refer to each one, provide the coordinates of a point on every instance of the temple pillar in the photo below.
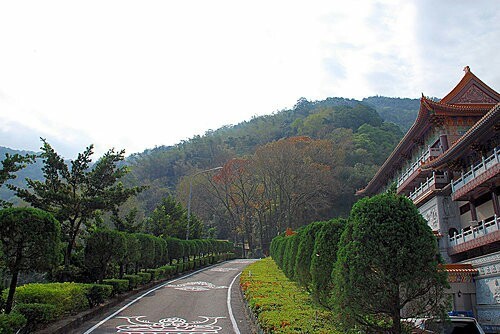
(473, 212)
(443, 141)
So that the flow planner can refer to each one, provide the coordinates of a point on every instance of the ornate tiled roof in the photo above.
(471, 91)
(460, 268)
(461, 101)
(484, 124)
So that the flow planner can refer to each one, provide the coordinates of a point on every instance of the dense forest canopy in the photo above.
(340, 143)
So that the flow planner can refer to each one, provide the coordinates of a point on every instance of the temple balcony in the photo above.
(485, 171)
(433, 182)
(431, 153)
(476, 235)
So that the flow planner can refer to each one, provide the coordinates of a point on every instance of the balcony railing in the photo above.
(476, 170)
(424, 186)
(431, 152)
(476, 230)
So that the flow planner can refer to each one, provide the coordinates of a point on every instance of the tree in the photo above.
(104, 247)
(307, 237)
(235, 188)
(132, 254)
(387, 266)
(169, 218)
(73, 195)
(10, 165)
(323, 259)
(175, 249)
(29, 240)
(146, 251)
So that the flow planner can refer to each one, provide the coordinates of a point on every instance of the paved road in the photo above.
(205, 301)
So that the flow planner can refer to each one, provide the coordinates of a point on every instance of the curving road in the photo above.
(205, 301)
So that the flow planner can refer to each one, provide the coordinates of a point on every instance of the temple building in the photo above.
(448, 164)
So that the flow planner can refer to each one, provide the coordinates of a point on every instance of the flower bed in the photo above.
(279, 305)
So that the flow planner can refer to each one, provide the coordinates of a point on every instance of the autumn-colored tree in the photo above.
(234, 185)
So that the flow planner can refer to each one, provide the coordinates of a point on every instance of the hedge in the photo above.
(11, 323)
(69, 298)
(98, 293)
(119, 285)
(133, 281)
(145, 277)
(36, 314)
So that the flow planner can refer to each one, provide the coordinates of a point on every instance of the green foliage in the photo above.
(132, 254)
(134, 281)
(175, 248)
(145, 277)
(307, 236)
(279, 304)
(155, 273)
(104, 247)
(289, 256)
(323, 259)
(400, 111)
(29, 240)
(11, 323)
(68, 298)
(387, 266)
(146, 250)
(10, 165)
(98, 293)
(169, 218)
(74, 194)
(36, 314)
(119, 285)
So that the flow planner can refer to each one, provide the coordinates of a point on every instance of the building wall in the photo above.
(441, 214)
(485, 210)
(488, 289)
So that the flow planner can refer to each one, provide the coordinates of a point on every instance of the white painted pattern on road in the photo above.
(138, 325)
(223, 269)
(195, 286)
(93, 328)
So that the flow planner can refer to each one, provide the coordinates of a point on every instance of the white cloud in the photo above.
(134, 75)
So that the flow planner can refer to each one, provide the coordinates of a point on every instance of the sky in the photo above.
(134, 75)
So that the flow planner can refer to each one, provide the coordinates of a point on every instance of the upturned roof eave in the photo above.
(468, 77)
(455, 150)
(396, 154)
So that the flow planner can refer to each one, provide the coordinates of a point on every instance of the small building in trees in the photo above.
(448, 164)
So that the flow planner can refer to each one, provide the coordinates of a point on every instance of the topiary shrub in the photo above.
(98, 293)
(37, 315)
(119, 285)
(323, 259)
(11, 323)
(145, 277)
(155, 273)
(69, 298)
(134, 281)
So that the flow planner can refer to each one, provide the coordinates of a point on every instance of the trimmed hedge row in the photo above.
(38, 304)
(307, 256)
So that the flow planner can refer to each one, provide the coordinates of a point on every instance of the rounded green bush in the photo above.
(145, 277)
(119, 285)
(37, 314)
(98, 293)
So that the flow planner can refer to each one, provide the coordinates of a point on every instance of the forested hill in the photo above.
(360, 124)
(32, 171)
(364, 130)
